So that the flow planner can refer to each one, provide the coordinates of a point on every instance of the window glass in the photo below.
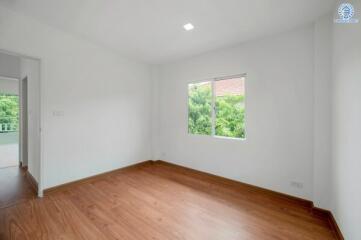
(217, 107)
(230, 108)
(200, 108)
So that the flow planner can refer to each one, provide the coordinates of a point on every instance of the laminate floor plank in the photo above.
(157, 201)
(240, 211)
(14, 187)
(232, 197)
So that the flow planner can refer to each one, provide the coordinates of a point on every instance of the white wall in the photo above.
(30, 68)
(322, 111)
(279, 113)
(9, 65)
(9, 86)
(95, 104)
(346, 126)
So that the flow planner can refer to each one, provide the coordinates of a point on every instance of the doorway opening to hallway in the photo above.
(9, 122)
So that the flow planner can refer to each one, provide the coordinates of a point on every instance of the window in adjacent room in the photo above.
(217, 107)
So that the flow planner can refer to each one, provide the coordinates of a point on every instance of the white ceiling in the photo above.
(152, 30)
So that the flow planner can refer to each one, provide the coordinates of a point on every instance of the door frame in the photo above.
(23, 121)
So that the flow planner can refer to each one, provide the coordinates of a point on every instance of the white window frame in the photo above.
(213, 105)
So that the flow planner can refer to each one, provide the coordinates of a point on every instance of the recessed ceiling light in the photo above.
(188, 26)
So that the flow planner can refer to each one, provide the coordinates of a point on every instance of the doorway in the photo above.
(20, 137)
(9, 122)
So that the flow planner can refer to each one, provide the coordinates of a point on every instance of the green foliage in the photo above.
(230, 116)
(200, 108)
(9, 111)
(230, 113)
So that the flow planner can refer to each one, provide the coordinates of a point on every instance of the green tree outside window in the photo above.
(9, 112)
(229, 112)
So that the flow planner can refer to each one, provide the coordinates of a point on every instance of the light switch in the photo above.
(58, 113)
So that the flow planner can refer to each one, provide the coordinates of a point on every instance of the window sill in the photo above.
(218, 137)
(230, 138)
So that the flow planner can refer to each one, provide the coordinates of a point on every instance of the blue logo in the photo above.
(346, 11)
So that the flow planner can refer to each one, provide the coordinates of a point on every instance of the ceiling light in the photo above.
(188, 26)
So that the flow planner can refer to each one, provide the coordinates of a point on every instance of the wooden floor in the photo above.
(160, 201)
(13, 187)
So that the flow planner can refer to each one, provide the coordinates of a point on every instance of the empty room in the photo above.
(180, 119)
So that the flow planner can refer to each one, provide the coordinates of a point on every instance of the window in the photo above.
(9, 113)
(200, 108)
(217, 107)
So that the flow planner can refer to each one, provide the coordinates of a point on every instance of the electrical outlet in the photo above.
(297, 184)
